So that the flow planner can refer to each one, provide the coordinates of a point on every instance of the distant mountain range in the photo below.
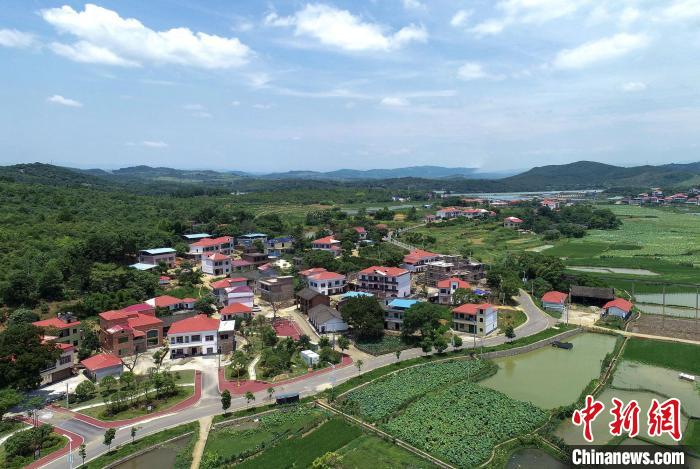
(578, 175)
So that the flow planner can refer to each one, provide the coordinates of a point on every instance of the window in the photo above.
(209, 338)
(178, 340)
(152, 333)
(196, 338)
(122, 340)
(223, 336)
(64, 360)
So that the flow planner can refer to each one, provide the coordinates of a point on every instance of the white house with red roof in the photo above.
(62, 368)
(328, 244)
(171, 303)
(554, 300)
(219, 287)
(235, 311)
(198, 335)
(216, 264)
(327, 283)
(447, 287)
(416, 260)
(618, 307)
(101, 365)
(361, 232)
(65, 327)
(385, 282)
(479, 319)
(448, 212)
(206, 246)
(240, 294)
(512, 222)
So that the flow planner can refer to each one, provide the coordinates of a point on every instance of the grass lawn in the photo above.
(382, 454)
(676, 356)
(611, 322)
(142, 443)
(386, 344)
(159, 405)
(692, 435)
(184, 292)
(301, 451)
(510, 317)
(20, 461)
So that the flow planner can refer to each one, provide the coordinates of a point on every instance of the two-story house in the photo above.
(65, 327)
(62, 368)
(236, 311)
(328, 244)
(394, 313)
(479, 319)
(361, 232)
(447, 287)
(171, 303)
(416, 260)
(512, 222)
(204, 247)
(247, 241)
(216, 264)
(327, 283)
(385, 282)
(200, 335)
(276, 288)
(131, 330)
(219, 287)
(279, 246)
(157, 256)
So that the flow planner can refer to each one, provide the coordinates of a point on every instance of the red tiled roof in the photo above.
(312, 271)
(619, 303)
(360, 229)
(240, 263)
(55, 322)
(207, 242)
(326, 240)
(164, 277)
(447, 283)
(514, 220)
(381, 226)
(326, 276)
(141, 320)
(64, 347)
(221, 283)
(470, 308)
(101, 361)
(199, 323)
(137, 308)
(241, 289)
(166, 300)
(418, 255)
(554, 297)
(189, 300)
(390, 271)
(236, 308)
(217, 256)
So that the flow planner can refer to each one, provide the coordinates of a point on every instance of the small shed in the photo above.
(310, 357)
(619, 307)
(591, 296)
(101, 365)
(554, 300)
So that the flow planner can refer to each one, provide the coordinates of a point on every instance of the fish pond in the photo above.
(528, 458)
(551, 377)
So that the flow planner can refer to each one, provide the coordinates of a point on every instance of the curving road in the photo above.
(210, 403)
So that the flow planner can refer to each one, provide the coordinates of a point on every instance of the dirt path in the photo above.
(198, 450)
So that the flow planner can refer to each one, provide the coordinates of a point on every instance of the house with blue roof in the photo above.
(157, 255)
(247, 240)
(394, 312)
(278, 246)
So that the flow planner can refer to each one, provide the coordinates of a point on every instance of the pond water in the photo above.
(676, 311)
(160, 458)
(573, 435)
(637, 376)
(551, 377)
(533, 458)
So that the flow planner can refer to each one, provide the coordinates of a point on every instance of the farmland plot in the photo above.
(389, 394)
(462, 424)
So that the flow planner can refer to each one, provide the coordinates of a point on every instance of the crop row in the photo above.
(462, 423)
(385, 396)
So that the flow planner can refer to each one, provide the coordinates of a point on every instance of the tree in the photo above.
(423, 317)
(239, 361)
(82, 452)
(509, 332)
(22, 316)
(464, 295)
(343, 343)
(85, 390)
(329, 460)
(269, 336)
(130, 362)
(365, 316)
(324, 342)
(225, 399)
(133, 434)
(426, 346)
(440, 344)
(249, 396)
(8, 399)
(110, 433)
(160, 355)
(90, 342)
(270, 392)
(108, 382)
(456, 341)
(398, 354)
(359, 364)
(205, 305)
(30, 356)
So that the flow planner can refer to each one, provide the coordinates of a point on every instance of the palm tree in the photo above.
(359, 364)
(249, 396)
(270, 392)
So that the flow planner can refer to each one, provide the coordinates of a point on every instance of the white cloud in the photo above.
(633, 86)
(193, 107)
(394, 101)
(262, 106)
(154, 144)
(629, 16)
(460, 18)
(259, 80)
(527, 12)
(235, 103)
(104, 37)
(471, 71)
(58, 99)
(14, 38)
(413, 5)
(600, 50)
(682, 10)
(340, 28)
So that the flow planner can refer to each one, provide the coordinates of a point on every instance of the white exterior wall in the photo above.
(553, 306)
(332, 325)
(187, 342)
(614, 311)
(208, 266)
(328, 287)
(243, 298)
(490, 323)
(404, 285)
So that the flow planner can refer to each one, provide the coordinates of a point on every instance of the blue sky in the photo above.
(268, 86)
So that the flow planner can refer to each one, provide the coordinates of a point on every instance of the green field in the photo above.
(676, 356)
(382, 454)
(98, 412)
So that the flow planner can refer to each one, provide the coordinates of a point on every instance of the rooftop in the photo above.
(199, 323)
(389, 271)
(471, 308)
(142, 266)
(156, 251)
(399, 303)
(101, 361)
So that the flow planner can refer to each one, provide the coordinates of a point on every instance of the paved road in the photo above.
(210, 403)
